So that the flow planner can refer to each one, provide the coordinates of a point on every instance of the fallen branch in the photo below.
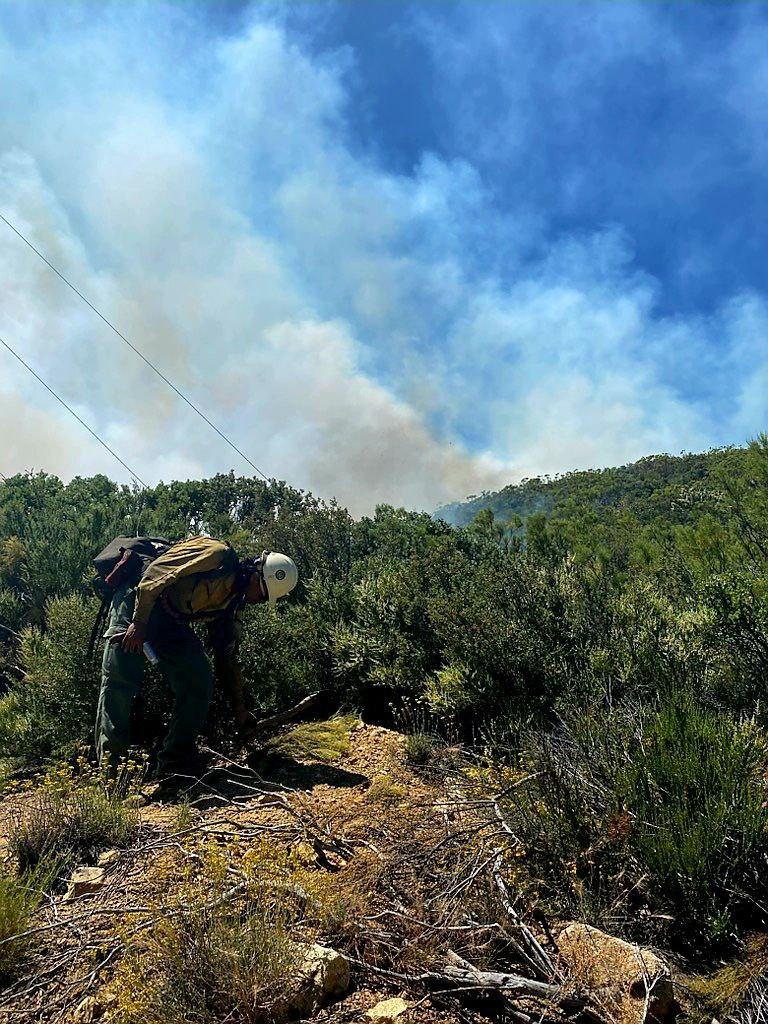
(528, 944)
(272, 721)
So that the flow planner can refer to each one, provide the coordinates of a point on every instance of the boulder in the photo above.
(633, 984)
(85, 881)
(86, 1011)
(387, 1010)
(323, 975)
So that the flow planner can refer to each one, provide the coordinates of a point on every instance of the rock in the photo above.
(387, 1010)
(86, 1011)
(323, 975)
(85, 881)
(633, 984)
(108, 858)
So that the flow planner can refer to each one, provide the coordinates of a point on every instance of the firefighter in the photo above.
(196, 579)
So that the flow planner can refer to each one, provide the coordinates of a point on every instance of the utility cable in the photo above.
(69, 409)
(133, 348)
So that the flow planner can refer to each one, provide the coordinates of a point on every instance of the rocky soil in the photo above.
(419, 868)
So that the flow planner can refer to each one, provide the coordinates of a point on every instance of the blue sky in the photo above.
(401, 252)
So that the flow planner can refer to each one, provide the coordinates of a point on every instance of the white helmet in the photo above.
(279, 573)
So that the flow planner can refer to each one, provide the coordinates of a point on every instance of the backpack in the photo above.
(123, 561)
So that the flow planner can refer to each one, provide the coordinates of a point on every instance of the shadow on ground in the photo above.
(261, 775)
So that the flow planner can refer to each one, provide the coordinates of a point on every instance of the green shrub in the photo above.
(671, 798)
(696, 794)
(68, 824)
(385, 791)
(19, 899)
(51, 711)
(224, 963)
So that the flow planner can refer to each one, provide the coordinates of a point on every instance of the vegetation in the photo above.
(207, 964)
(20, 897)
(654, 818)
(223, 951)
(600, 638)
(419, 748)
(316, 741)
(71, 819)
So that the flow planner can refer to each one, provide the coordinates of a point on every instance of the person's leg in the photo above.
(188, 673)
(121, 675)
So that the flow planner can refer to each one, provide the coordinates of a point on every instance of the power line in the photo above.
(69, 409)
(133, 348)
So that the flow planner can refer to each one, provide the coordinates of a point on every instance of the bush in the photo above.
(223, 952)
(19, 899)
(695, 791)
(658, 809)
(225, 962)
(383, 790)
(52, 710)
(70, 822)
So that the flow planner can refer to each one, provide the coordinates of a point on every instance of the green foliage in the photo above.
(694, 788)
(596, 599)
(216, 952)
(662, 809)
(650, 487)
(20, 896)
(46, 711)
(70, 823)
(385, 791)
(419, 748)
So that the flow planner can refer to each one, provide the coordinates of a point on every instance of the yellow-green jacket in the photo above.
(196, 577)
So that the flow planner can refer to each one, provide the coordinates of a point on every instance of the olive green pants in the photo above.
(185, 668)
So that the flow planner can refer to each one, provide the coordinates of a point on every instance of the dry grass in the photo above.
(731, 991)
(221, 948)
(384, 791)
(70, 822)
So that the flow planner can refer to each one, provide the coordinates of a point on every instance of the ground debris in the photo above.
(411, 895)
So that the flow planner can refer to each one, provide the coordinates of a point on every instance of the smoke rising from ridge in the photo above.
(333, 317)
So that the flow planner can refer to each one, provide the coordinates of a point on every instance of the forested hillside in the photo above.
(598, 672)
(652, 487)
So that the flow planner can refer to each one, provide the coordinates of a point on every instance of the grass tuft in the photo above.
(69, 825)
(384, 791)
(19, 899)
(317, 741)
(419, 748)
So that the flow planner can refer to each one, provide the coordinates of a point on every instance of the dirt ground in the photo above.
(377, 827)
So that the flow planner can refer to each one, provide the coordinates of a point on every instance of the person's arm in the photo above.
(224, 635)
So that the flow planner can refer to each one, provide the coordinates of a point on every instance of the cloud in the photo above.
(372, 335)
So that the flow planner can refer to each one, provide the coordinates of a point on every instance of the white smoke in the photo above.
(323, 311)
